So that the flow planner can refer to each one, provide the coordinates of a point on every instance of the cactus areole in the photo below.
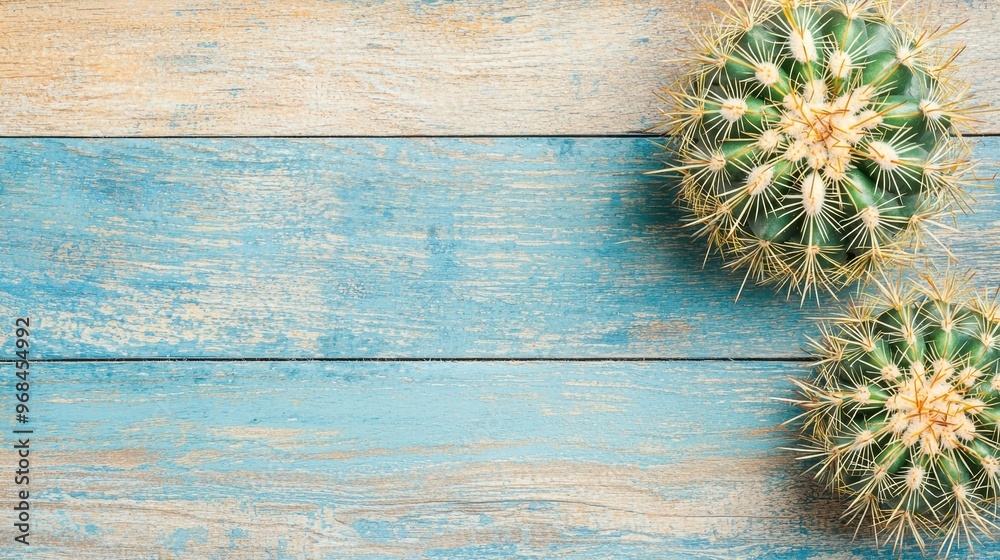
(815, 140)
(902, 411)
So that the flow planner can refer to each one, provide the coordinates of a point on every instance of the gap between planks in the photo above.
(370, 136)
(654, 359)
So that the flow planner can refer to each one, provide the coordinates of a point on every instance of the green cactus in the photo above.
(902, 410)
(814, 140)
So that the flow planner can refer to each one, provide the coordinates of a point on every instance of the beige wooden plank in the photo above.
(175, 67)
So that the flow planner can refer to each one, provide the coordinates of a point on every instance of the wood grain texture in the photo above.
(512, 248)
(422, 460)
(348, 67)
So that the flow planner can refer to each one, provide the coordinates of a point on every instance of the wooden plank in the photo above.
(438, 460)
(316, 67)
(377, 248)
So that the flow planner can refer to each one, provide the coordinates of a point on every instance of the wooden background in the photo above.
(407, 295)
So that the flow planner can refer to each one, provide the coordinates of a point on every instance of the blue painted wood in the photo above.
(526, 247)
(426, 459)
(520, 247)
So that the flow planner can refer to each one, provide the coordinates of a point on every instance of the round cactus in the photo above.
(902, 410)
(815, 139)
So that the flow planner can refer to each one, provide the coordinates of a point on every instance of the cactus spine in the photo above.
(811, 139)
(902, 412)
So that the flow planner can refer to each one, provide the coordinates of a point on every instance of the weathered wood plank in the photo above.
(313, 67)
(376, 248)
(437, 460)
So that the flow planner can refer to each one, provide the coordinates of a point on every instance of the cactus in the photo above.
(814, 141)
(902, 410)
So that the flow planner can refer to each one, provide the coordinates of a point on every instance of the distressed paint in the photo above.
(353, 248)
(512, 248)
(428, 459)
(348, 67)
